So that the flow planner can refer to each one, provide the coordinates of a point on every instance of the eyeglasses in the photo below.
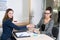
(47, 13)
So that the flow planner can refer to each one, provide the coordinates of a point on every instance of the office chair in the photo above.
(55, 32)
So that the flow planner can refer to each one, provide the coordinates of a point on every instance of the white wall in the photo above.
(1, 16)
(36, 10)
(16, 5)
(20, 8)
(25, 10)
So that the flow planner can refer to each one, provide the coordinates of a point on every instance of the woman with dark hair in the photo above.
(8, 26)
(46, 23)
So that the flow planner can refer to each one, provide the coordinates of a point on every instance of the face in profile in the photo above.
(10, 14)
(47, 14)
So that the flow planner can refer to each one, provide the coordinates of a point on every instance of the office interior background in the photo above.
(30, 11)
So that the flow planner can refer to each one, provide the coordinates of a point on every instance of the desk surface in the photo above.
(39, 37)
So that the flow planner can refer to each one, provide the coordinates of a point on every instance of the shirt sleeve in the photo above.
(10, 24)
(39, 24)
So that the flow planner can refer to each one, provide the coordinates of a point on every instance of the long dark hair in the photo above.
(6, 14)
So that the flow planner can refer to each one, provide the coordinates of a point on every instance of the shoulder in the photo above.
(8, 20)
(42, 19)
(51, 20)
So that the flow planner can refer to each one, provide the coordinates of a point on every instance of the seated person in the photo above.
(8, 26)
(46, 23)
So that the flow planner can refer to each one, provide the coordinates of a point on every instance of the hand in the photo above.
(37, 31)
(30, 26)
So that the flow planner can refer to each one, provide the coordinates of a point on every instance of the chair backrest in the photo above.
(55, 32)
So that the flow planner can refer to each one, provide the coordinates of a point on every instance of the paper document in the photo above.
(21, 34)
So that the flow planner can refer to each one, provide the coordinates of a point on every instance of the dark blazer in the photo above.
(8, 28)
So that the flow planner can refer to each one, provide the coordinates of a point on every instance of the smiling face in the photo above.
(47, 14)
(10, 14)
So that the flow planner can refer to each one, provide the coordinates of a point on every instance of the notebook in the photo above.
(21, 34)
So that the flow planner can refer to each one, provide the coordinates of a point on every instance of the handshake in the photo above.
(31, 28)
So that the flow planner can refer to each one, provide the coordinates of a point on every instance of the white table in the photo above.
(39, 37)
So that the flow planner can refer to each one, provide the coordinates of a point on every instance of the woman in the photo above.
(46, 23)
(8, 26)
